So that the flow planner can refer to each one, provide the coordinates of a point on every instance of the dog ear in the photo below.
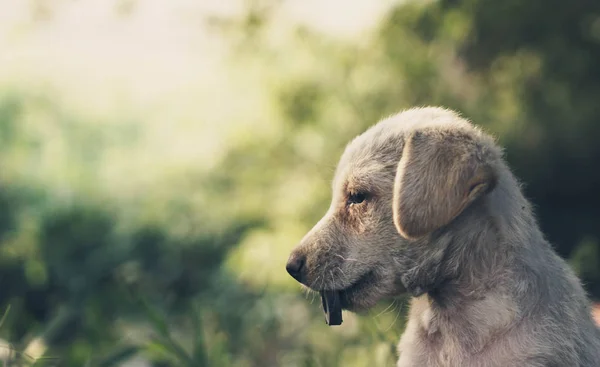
(440, 173)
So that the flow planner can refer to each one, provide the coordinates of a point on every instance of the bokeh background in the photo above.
(160, 159)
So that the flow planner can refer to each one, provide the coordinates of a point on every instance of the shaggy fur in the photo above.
(424, 203)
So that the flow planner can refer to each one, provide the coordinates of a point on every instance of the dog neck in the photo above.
(477, 296)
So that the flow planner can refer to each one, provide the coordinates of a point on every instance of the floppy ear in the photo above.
(440, 173)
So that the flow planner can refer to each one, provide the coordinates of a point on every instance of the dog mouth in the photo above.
(333, 301)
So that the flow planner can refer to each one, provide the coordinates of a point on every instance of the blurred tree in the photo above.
(186, 267)
(556, 154)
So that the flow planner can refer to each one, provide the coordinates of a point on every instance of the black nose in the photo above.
(295, 265)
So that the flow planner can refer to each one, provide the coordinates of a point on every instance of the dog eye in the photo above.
(357, 198)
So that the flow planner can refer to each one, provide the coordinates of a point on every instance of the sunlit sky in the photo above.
(94, 54)
(155, 63)
(89, 42)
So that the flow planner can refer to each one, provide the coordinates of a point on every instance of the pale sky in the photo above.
(158, 65)
(158, 36)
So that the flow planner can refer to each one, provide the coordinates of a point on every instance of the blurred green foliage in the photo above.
(188, 270)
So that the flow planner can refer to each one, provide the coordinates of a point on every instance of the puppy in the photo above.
(424, 203)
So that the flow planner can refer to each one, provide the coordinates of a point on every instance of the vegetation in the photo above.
(157, 226)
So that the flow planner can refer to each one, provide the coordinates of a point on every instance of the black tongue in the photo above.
(332, 307)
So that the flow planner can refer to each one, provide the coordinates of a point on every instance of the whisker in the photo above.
(347, 258)
(332, 279)
(325, 273)
(314, 293)
(387, 308)
(341, 271)
(395, 318)
(303, 289)
(392, 310)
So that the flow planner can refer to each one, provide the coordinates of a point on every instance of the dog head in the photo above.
(398, 193)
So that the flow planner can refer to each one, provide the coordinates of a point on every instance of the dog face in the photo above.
(397, 190)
